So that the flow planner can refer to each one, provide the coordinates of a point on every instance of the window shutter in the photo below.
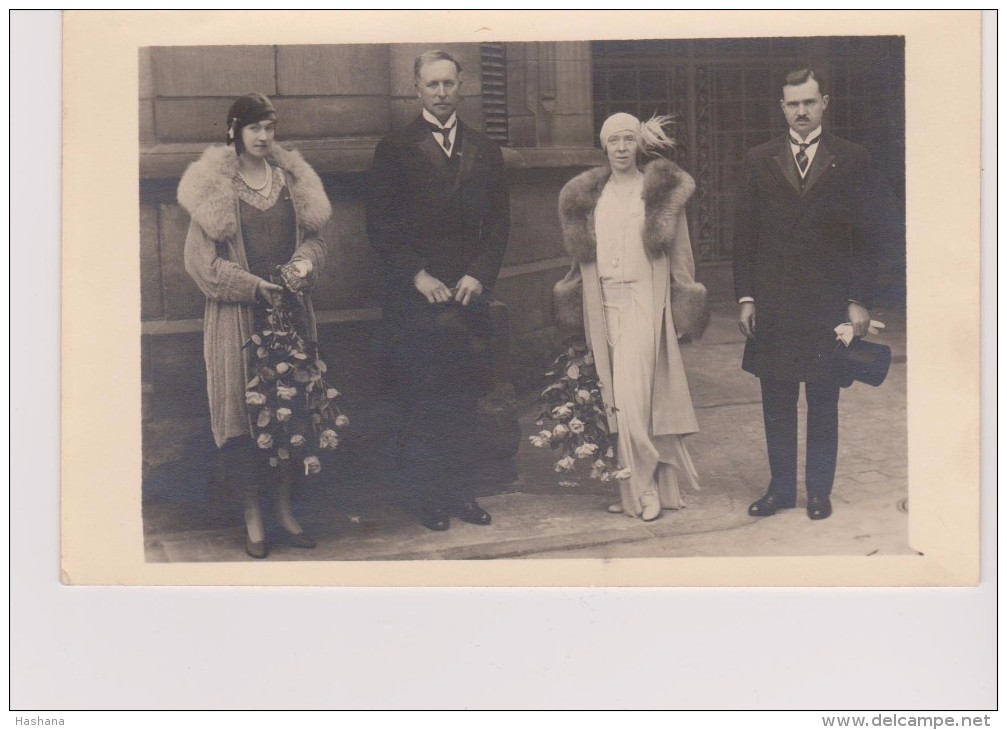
(494, 83)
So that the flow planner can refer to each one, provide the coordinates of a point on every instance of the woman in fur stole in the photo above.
(253, 206)
(632, 282)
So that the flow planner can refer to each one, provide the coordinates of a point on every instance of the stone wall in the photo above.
(334, 104)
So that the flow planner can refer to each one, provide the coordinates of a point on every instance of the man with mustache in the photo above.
(806, 237)
(438, 216)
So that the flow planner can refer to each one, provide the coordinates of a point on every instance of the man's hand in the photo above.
(859, 317)
(304, 267)
(268, 291)
(468, 290)
(746, 319)
(432, 288)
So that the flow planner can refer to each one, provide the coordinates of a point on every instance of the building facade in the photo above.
(544, 102)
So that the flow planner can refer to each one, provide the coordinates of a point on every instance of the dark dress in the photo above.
(269, 230)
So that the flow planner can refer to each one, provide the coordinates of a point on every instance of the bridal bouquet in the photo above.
(294, 411)
(574, 417)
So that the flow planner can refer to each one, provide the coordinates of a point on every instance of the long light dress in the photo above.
(659, 464)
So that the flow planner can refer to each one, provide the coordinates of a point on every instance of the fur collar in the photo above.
(666, 190)
(206, 191)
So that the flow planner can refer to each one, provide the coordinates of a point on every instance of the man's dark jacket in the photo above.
(450, 217)
(803, 252)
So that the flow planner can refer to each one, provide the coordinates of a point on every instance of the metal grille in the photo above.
(494, 86)
(726, 94)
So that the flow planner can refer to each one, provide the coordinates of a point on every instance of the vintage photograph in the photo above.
(524, 300)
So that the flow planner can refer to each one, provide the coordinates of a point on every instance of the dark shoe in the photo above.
(438, 521)
(819, 508)
(301, 540)
(769, 505)
(472, 513)
(256, 549)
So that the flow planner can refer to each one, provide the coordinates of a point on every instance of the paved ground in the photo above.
(534, 517)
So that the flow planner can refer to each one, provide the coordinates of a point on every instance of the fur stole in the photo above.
(206, 191)
(666, 190)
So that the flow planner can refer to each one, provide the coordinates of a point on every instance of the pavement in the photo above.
(535, 517)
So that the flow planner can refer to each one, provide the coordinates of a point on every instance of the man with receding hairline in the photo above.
(805, 251)
(438, 216)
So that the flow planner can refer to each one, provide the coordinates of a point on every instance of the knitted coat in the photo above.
(215, 258)
(679, 300)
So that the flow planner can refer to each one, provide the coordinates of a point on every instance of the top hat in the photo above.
(863, 361)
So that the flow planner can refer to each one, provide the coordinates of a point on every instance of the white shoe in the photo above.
(615, 509)
(651, 507)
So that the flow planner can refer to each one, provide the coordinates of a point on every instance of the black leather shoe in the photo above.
(256, 549)
(819, 508)
(438, 521)
(472, 513)
(769, 505)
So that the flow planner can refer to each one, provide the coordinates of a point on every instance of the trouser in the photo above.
(439, 361)
(779, 410)
(437, 451)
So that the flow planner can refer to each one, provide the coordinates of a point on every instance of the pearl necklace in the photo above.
(267, 181)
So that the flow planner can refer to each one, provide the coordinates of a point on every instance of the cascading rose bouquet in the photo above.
(574, 417)
(294, 411)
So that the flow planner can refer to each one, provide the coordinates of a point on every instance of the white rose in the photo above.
(565, 464)
(312, 465)
(286, 392)
(297, 440)
(561, 412)
(583, 396)
(577, 425)
(254, 399)
(328, 439)
(342, 421)
(265, 441)
(283, 414)
(560, 431)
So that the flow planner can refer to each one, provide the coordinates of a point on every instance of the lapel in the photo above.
(785, 164)
(824, 162)
(430, 148)
(434, 153)
(467, 152)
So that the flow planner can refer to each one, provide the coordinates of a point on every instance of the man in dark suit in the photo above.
(804, 256)
(438, 216)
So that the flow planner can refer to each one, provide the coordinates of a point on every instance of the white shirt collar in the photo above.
(436, 122)
(793, 135)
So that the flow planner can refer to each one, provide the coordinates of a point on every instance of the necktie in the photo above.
(802, 155)
(445, 132)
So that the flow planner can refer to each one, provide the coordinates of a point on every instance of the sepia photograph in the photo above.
(543, 304)
(363, 341)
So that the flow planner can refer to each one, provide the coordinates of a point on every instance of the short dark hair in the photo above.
(432, 57)
(801, 75)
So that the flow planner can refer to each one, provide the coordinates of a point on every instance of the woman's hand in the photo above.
(303, 267)
(268, 291)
